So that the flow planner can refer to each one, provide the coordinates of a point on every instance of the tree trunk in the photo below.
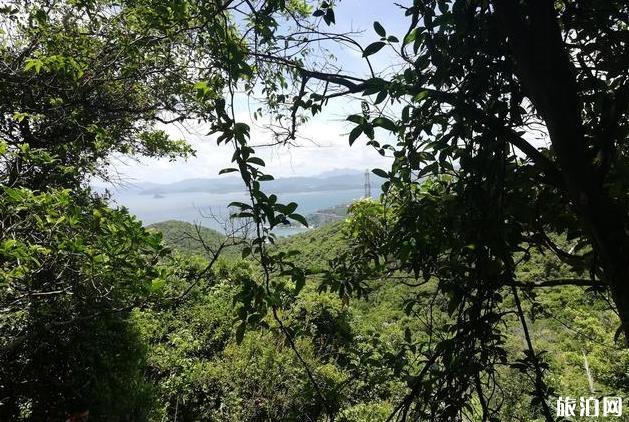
(611, 242)
(548, 77)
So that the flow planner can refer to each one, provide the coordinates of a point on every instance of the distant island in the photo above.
(326, 216)
(336, 180)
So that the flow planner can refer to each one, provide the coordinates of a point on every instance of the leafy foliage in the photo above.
(428, 304)
(376, 343)
(474, 78)
(71, 270)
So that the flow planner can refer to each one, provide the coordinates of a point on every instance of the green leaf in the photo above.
(243, 215)
(373, 48)
(430, 168)
(19, 117)
(256, 160)
(300, 218)
(410, 37)
(381, 173)
(329, 16)
(33, 64)
(227, 170)
(382, 95)
(354, 134)
(240, 205)
(202, 88)
(241, 131)
(41, 16)
(356, 118)
(421, 95)
(385, 123)
(157, 284)
(290, 208)
(379, 29)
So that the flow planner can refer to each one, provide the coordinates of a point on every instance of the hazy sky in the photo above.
(326, 147)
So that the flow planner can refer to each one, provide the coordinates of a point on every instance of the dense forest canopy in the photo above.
(502, 228)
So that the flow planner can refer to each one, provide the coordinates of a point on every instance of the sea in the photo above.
(210, 209)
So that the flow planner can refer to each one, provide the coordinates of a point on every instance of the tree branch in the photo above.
(558, 282)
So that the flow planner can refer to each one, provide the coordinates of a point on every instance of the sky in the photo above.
(323, 143)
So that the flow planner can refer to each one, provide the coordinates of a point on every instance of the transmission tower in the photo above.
(367, 185)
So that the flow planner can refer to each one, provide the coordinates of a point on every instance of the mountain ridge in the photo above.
(327, 181)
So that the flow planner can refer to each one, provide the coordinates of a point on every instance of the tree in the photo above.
(478, 79)
(71, 271)
(478, 73)
(80, 81)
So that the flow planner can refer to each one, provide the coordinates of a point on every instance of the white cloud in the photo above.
(324, 146)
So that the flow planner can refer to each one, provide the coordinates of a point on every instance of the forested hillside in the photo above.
(194, 239)
(359, 350)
